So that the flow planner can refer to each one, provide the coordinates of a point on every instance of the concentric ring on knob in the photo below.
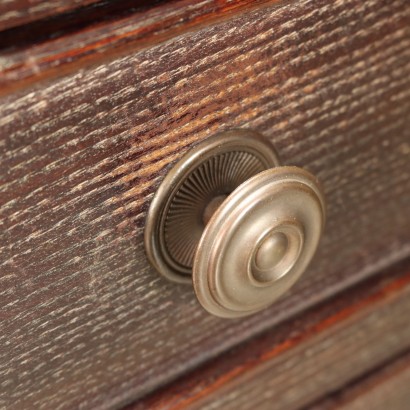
(258, 242)
(276, 253)
(192, 191)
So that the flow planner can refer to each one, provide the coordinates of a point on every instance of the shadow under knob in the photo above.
(229, 219)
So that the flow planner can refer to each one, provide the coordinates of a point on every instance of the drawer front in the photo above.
(307, 361)
(85, 319)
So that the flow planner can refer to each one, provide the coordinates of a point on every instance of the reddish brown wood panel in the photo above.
(84, 320)
(20, 66)
(17, 12)
(310, 356)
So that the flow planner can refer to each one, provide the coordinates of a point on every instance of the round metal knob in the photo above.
(233, 222)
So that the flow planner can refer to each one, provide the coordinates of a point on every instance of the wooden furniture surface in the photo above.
(92, 118)
(17, 12)
(345, 348)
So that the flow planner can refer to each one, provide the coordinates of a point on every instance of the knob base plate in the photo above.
(193, 190)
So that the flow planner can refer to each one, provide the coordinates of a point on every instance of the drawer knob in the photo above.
(230, 220)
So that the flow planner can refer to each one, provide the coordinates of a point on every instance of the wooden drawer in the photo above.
(350, 351)
(86, 322)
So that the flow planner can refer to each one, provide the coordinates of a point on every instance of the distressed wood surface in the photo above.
(318, 353)
(385, 388)
(17, 12)
(84, 320)
(29, 59)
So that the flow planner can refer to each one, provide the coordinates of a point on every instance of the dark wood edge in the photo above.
(222, 370)
(18, 12)
(71, 21)
(106, 40)
(365, 384)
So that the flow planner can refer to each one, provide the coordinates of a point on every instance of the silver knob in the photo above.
(229, 219)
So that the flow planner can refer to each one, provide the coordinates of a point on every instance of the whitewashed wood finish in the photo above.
(84, 320)
(324, 363)
(114, 30)
(393, 393)
(16, 12)
(387, 387)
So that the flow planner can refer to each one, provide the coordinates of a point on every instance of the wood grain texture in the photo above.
(385, 388)
(315, 354)
(81, 16)
(391, 394)
(60, 54)
(17, 12)
(84, 320)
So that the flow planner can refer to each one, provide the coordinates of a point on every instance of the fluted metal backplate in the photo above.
(194, 188)
(217, 177)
